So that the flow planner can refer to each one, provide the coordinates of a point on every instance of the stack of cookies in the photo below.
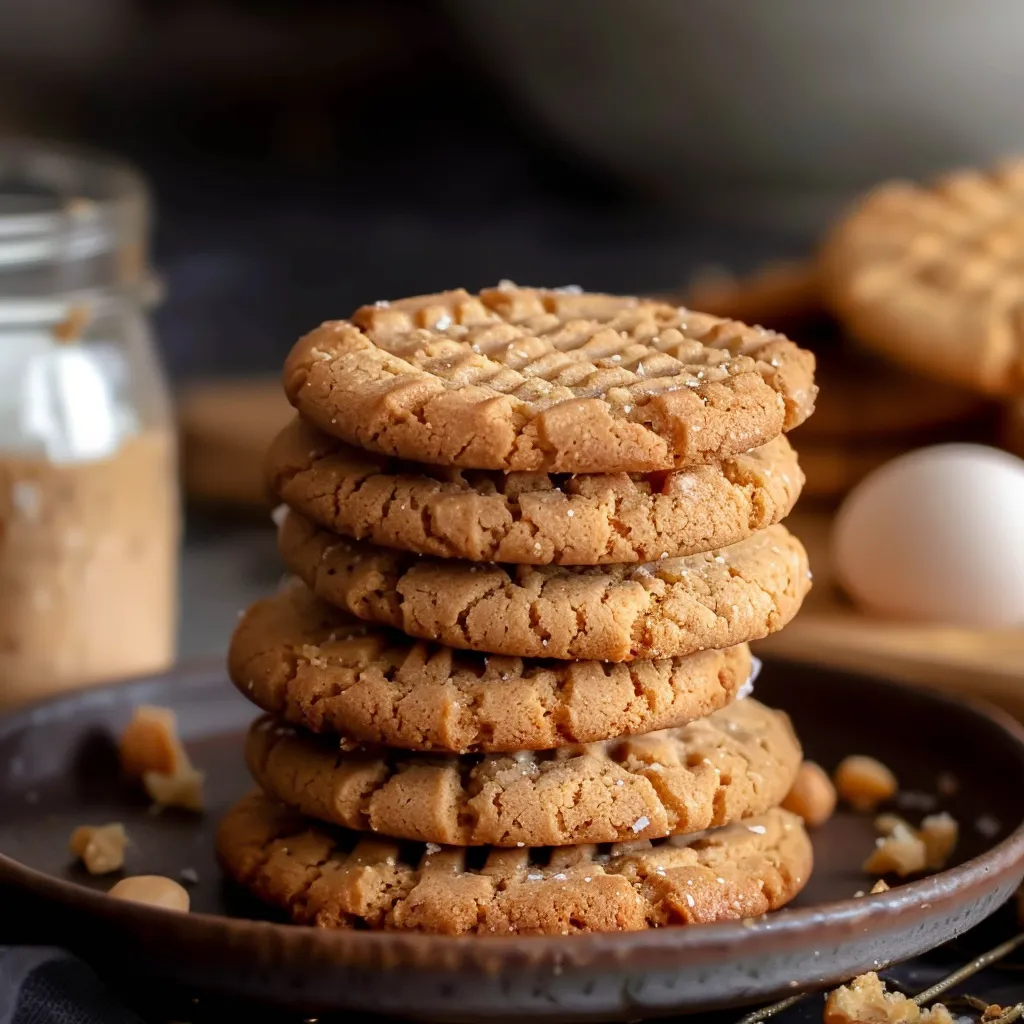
(531, 533)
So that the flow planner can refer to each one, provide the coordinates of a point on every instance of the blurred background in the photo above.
(303, 158)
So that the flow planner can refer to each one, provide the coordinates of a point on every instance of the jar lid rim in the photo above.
(64, 203)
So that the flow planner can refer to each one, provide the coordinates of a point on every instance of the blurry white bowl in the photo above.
(773, 109)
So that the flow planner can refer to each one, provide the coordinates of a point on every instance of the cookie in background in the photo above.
(928, 276)
(868, 410)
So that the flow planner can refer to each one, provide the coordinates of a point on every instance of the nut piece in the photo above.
(150, 743)
(864, 782)
(151, 751)
(812, 797)
(100, 847)
(939, 833)
(183, 789)
(906, 850)
(155, 890)
(901, 852)
(865, 1001)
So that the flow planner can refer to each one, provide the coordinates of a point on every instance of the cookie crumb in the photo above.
(939, 832)
(864, 782)
(100, 847)
(865, 1001)
(151, 751)
(183, 789)
(901, 852)
(881, 885)
(905, 850)
(150, 743)
(812, 796)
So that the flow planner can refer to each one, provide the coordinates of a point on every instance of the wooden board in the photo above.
(830, 631)
(226, 427)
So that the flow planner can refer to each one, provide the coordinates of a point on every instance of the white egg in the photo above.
(937, 535)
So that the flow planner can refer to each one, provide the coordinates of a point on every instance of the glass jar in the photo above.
(89, 507)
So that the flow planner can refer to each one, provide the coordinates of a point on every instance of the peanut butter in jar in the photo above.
(89, 515)
(88, 567)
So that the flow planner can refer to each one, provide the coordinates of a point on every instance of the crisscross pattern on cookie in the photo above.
(738, 762)
(531, 518)
(668, 608)
(333, 878)
(931, 276)
(533, 379)
(328, 672)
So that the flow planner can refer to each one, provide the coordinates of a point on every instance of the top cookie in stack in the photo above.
(562, 381)
(523, 521)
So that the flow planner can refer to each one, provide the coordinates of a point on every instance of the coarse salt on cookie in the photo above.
(541, 390)
(354, 679)
(738, 762)
(670, 608)
(522, 517)
(267, 848)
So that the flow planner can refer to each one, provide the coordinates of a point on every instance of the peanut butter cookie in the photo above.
(531, 518)
(738, 762)
(669, 608)
(546, 380)
(322, 669)
(334, 878)
(929, 276)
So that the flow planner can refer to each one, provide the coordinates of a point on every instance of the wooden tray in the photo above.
(226, 427)
(830, 631)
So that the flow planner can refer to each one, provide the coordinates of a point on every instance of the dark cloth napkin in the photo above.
(43, 985)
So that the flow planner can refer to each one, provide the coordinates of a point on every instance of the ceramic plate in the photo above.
(58, 769)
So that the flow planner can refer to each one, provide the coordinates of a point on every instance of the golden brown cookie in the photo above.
(736, 763)
(929, 276)
(546, 380)
(664, 609)
(334, 878)
(531, 518)
(328, 672)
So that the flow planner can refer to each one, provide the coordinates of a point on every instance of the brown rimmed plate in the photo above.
(58, 770)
